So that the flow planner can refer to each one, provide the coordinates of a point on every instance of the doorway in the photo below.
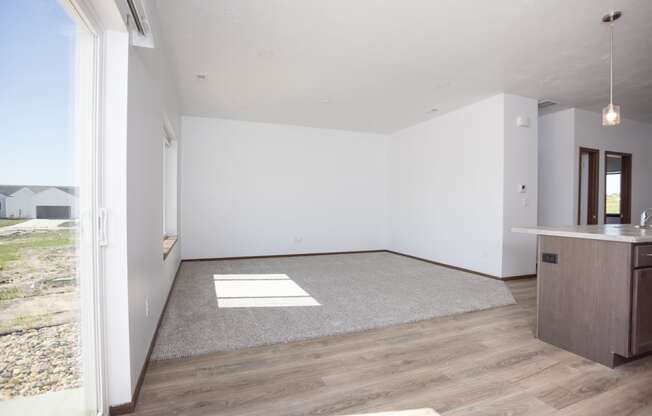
(50, 322)
(618, 188)
(587, 207)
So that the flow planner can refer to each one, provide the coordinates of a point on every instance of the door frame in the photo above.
(594, 185)
(625, 186)
(92, 296)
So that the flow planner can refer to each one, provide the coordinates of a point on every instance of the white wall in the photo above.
(556, 156)
(152, 99)
(139, 97)
(262, 189)
(447, 181)
(561, 136)
(520, 168)
(446, 188)
(629, 137)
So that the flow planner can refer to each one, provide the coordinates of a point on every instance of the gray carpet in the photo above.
(355, 292)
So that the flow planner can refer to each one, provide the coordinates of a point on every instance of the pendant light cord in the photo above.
(611, 65)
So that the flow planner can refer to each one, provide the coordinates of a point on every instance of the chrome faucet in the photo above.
(645, 217)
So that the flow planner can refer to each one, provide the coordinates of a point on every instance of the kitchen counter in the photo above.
(611, 232)
(594, 290)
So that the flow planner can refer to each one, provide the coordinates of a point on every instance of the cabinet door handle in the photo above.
(649, 254)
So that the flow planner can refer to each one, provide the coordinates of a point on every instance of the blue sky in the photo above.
(37, 53)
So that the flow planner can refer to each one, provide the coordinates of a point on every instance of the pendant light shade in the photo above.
(611, 113)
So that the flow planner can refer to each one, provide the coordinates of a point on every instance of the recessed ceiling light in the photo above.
(201, 75)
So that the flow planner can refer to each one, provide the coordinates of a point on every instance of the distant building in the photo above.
(3, 197)
(52, 202)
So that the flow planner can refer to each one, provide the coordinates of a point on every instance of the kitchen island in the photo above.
(594, 290)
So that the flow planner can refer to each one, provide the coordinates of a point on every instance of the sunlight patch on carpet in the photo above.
(259, 291)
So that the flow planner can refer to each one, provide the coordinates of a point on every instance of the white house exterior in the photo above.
(19, 204)
(55, 203)
(41, 202)
(3, 204)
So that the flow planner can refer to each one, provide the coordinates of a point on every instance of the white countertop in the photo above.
(611, 232)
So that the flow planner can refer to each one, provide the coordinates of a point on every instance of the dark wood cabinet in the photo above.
(642, 311)
(595, 298)
(643, 256)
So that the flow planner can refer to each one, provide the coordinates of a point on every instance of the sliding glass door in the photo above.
(49, 294)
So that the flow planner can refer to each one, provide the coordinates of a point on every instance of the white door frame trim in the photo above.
(97, 16)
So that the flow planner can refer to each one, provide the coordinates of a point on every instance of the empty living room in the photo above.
(334, 208)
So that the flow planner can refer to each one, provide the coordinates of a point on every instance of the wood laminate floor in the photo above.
(482, 363)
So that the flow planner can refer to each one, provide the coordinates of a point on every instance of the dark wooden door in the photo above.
(642, 312)
(592, 183)
(626, 190)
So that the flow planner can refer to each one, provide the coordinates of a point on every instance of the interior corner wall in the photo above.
(629, 137)
(557, 153)
(561, 134)
(152, 99)
(519, 170)
(252, 189)
(446, 188)
(454, 187)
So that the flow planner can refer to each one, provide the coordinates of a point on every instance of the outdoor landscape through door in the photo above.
(587, 207)
(50, 292)
(618, 182)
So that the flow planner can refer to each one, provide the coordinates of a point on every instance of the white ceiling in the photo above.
(381, 65)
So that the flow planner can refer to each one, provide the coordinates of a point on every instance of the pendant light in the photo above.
(611, 113)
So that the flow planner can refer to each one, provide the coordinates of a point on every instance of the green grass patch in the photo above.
(11, 247)
(7, 223)
(47, 239)
(613, 204)
(9, 293)
(25, 322)
(8, 253)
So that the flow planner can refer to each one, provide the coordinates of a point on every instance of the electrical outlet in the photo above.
(147, 306)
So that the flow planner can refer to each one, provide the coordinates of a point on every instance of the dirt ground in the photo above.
(39, 311)
(38, 283)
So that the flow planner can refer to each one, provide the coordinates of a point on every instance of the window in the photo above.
(613, 182)
(169, 156)
(613, 193)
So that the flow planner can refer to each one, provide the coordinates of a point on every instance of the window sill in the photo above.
(168, 244)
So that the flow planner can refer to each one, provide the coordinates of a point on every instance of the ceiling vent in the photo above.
(545, 104)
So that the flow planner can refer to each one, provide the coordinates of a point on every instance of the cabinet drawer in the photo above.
(643, 256)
